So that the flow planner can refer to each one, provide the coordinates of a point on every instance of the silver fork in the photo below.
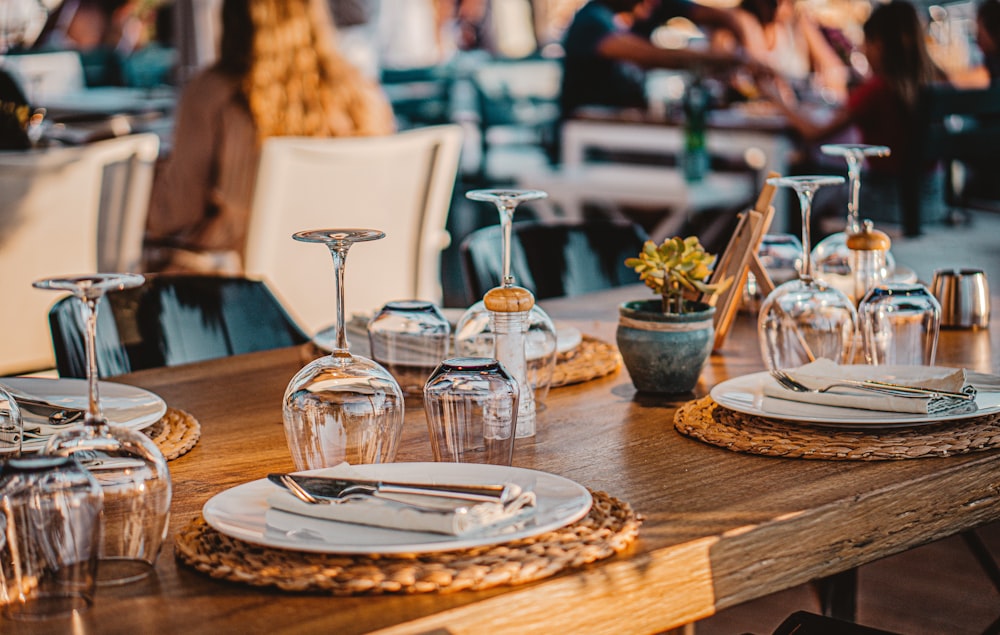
(899, 391)
(300, 493)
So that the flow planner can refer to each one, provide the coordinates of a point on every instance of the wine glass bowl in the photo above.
(342, 407)
(805, 319)
(128, 465)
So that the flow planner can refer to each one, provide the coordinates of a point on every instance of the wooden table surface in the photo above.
(720, 527)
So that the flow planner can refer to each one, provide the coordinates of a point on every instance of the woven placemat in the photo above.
(609, 528)
(705, 420)
(592, 359)
(175, 433)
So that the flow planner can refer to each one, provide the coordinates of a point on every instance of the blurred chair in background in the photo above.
(553, 259)
(62, 211)
(173, 320)
(400, 184)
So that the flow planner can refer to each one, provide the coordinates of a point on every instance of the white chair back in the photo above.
(401, 184)
(51, 204)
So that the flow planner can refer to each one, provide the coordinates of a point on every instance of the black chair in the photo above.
(952, 125)
(171, 320)
(805, 623)
(553, 259)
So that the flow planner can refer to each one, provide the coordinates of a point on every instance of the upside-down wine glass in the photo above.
(474, 334)
(805, 319)
(831, 255)
(128, 465)
(342, 407)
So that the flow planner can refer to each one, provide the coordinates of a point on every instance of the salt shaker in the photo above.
(509, 308)
(869, 249)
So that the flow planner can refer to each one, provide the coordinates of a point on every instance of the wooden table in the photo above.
(720, 527)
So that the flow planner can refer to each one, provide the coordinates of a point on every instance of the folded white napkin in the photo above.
(824, 372)
(414, 512)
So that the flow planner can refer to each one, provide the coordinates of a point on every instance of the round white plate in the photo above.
(746, 395)
(123, 405)
(241, 512)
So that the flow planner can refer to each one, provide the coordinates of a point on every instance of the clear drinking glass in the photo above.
(805, 319)
(781, 257)
(342, 407)
(831, 255)
(471, 406)
(899, 324)
(409, 338)
(50, 533)
(130, 468)
(474, 334)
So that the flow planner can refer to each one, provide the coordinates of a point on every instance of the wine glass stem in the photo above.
(853, 203)
(94, 415)
(805, 204)
(506, 209)
(339, 253)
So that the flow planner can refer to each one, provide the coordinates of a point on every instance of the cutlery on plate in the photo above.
(300, 493)
(324, 487)
(880, 387)
(55, 414)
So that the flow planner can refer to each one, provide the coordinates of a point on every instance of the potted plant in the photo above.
(666, 342)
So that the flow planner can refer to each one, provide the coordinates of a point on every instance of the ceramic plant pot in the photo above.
(664, 352)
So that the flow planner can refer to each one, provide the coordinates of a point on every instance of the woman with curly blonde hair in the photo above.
(278, 74)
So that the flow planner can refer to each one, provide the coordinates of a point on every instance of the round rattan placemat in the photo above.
(705, 420)
(609, 528)
(592, 359)
(175, 433)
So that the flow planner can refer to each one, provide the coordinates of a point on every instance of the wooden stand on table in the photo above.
(740, 258)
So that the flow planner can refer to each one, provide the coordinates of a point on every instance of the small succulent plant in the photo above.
(676, 266)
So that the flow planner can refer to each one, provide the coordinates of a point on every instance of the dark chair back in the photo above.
(553, 259)
(952, 124)
(171, 320)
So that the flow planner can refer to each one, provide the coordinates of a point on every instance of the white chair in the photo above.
(51, 203)
(401, 184)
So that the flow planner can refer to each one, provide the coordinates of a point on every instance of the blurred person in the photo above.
(279, 73)
(102, 31)
(777, 33)
(882, 109)
(607, 49)
(356, 22)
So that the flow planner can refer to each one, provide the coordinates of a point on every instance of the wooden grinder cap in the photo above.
(869, 239)
(509, 300)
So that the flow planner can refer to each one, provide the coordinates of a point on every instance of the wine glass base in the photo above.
(117, 571)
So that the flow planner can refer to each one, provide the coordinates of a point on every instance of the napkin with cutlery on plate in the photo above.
(824, 372)
(407, 512)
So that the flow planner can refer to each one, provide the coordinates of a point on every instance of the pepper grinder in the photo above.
(869, 250)
(509, 308)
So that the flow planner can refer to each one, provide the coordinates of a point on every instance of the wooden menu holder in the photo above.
(739, 258)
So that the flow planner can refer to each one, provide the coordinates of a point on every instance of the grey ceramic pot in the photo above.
(664, 353)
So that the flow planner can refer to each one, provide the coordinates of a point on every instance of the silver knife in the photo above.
(333, 488)
(52, 414)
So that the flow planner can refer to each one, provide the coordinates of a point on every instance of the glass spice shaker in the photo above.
(869, 250)
(509, 308)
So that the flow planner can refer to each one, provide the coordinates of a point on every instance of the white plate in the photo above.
(240, 512)
(746, 395)
(123, 405)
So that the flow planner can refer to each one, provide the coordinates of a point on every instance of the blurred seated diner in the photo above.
(260, 87)
(883, 110)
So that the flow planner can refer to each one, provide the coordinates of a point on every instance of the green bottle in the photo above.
(695, 111)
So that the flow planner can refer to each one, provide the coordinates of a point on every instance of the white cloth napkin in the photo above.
(441, 516)
(824, 372)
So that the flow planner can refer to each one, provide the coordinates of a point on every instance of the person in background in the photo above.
(790, 42)
(883, 107)
(279, 73)
(607, 49)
